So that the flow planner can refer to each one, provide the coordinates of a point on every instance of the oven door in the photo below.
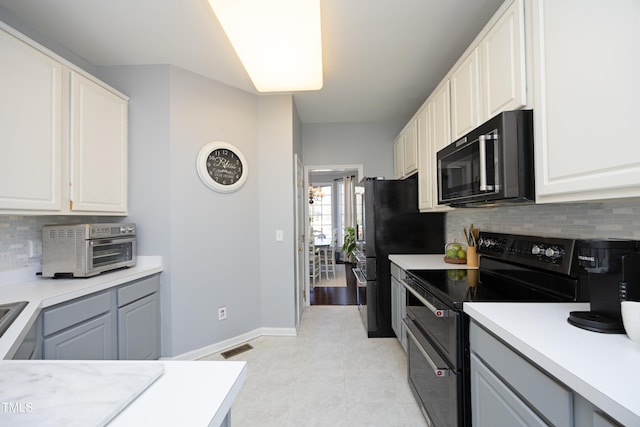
(435, 319)
(433, 381)
(469, 168)
(109, 254)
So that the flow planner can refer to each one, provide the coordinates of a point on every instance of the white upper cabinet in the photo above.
(30, 127)
(63, 135)
(587, 99)
(410, 148)
(398, 157)
(437, 122)
(502, 62)
(405, 151)
(98, 148)
(465, 96)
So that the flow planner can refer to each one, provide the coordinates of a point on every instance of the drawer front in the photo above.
(68, 314)
(138, 289)
(542, 392)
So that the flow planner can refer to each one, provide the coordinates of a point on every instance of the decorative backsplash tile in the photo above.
(16, 231)
(606, 219)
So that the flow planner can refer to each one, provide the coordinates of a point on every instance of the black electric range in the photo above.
(512, 268)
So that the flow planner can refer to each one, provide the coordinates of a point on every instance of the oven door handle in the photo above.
(438, 312)
(439, 372)
(361, 280)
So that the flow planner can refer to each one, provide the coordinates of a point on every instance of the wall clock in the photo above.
(222, 167)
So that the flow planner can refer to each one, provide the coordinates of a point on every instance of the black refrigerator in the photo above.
(388, 222)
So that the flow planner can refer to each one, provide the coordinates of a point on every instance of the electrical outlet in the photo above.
(222, 313)
(35, 248)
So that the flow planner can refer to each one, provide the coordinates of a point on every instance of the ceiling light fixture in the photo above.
(278, 41)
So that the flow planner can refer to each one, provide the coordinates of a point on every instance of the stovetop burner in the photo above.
(513, 268)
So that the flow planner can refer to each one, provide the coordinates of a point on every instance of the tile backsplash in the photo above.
(616, 219)
(16, 231)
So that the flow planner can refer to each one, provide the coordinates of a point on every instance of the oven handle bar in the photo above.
(438, 312)
(361, 280)
(439, 372)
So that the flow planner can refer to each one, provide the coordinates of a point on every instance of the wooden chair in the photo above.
(314, 263)
(328, 257)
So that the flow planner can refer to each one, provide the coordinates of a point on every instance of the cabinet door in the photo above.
(465, 96)
(31, 128)
(494, 404)
(503, 64)
(426, 173)
(398, 157)
(139, 329)
(98, 148)
(410, 149)
(440, 136)
(91, 340)
(395, 312)
(587, 99)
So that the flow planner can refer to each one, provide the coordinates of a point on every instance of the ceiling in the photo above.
(381, 57)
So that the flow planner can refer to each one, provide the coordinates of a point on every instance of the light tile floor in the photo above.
(329, 375)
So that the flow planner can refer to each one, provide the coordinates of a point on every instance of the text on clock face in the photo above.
(224, 167)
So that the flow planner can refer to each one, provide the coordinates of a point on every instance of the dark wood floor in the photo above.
(336, 296)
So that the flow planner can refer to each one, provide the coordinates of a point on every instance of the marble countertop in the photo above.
(44, 292)
(121, 393)
(603, 368)
(425, 262)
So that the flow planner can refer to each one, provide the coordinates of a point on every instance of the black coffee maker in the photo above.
(611, 270)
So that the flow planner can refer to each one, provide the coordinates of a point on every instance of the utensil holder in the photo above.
(472, 256)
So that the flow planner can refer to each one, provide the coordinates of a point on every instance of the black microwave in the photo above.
(493, 164)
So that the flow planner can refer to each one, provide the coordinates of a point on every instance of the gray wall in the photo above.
(212, 242)
(369, 144)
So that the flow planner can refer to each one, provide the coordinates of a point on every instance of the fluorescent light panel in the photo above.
(278, 41)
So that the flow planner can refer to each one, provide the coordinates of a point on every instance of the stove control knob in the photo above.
(536, 250)
(552, 252)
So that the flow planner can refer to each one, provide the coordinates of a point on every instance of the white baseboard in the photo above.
(233, 342)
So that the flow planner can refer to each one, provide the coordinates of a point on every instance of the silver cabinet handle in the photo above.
(439, 372)
(438, 312)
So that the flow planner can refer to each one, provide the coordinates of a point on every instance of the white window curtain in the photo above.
(349, 202)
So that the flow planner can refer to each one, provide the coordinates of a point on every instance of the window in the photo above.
(320, 214)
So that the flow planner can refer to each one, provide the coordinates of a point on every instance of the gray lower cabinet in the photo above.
(80, 329)
(120, 323)
(90, 340)
(509, 390)
(139, 320)
(398, 304)
(31, 346)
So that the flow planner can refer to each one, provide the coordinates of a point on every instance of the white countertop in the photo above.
(193, 393)
(425, 262)
(44, 292)
(603, 368)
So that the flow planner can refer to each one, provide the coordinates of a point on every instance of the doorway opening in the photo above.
(330, 280)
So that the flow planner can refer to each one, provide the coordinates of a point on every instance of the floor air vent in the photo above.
(235, 351)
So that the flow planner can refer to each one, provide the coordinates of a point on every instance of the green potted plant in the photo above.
(349, 244)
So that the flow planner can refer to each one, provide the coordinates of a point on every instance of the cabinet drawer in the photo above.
(136, 290)
(68, 314)
(550, 398)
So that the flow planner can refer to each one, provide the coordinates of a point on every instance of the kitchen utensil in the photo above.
(631, 319)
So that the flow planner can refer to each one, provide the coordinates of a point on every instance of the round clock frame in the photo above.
(217, 165)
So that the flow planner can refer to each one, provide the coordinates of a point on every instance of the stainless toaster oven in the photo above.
(85, 250)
